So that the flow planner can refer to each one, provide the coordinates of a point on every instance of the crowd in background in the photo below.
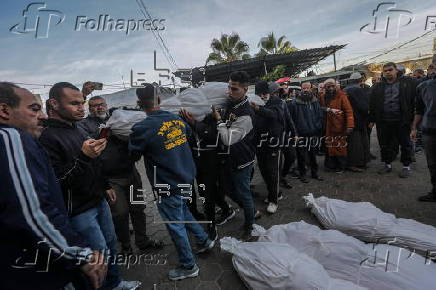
(67, 183)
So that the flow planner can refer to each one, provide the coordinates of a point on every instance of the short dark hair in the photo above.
(420, 71)
(48, 107)
(56, 90)
(393, 64)
(8, 95)
(94, 98)
(241, 77)
(146, 96)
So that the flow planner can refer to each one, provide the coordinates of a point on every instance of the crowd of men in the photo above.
(66, 180)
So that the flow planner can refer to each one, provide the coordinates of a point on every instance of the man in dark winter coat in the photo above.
(308, 118)
(391, 108)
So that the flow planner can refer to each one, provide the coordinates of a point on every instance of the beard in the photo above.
(102, 116)
(330, 93)
(306, 97)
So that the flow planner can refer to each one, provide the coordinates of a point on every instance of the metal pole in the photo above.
(334, 60)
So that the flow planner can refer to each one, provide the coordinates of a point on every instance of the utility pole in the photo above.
(334, 59)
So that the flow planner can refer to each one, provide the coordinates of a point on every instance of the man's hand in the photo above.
(413, 135)
(112, 195)
(254, 106)
(93, 148)
(187, 116)
(87, 88)
(216, 114)
(370, 125)
(335, 111)
(349, 130)
(95, 270)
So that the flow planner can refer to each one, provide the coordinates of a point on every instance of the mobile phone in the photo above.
(104, 133)
(98, 86)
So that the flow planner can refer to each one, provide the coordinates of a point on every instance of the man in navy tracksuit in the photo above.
(270, 127)
(162, 139)
(38, 248)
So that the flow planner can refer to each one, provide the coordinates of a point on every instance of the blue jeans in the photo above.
(174, 208)
(241, 193)
(96, 227)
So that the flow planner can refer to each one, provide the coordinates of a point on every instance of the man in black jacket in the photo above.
(288, 153)
(237, 147)
(426, 116)
(123, 177)
(38, 246)
(98, 115)
(78, 168)
(308, 118)
(203, 143)
(358, 141)
(269, 128)
(391, 108)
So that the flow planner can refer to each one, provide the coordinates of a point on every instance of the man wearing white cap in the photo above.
(338, 126)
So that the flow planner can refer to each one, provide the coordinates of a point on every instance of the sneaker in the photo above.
(183, 273)
(280, 197)
(257, 215)
(128, 285)
(150, 244)
(317, 177)
(272, 208)
(355, 169)
(207, 245)
(295, 175)
(431, 197)
(339, 171)
(385, 169)
(246, 235)
(222, 219)
(405, 172)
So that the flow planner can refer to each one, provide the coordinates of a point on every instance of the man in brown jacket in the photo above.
(337, 126)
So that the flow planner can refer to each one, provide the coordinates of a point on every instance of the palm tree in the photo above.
(228, 48)
(271, 45)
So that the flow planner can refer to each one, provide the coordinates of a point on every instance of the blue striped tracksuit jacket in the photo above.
(38, 248)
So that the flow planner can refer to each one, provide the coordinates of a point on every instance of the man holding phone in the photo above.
(40, 227)
(74, 157)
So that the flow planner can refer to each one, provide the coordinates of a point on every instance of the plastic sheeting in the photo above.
(378, 267)
(266, 265)
(122, 121)
(198, 101)
(368, 223)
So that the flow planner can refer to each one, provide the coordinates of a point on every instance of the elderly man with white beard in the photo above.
(120, 171)
(97, 115)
